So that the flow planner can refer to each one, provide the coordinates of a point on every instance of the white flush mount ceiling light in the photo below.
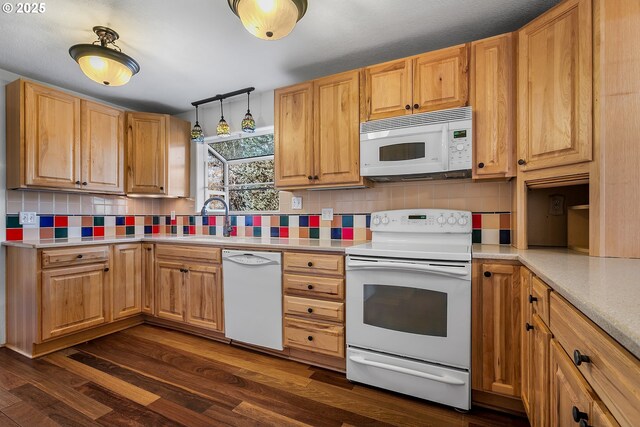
(269, 19)
(103, 61)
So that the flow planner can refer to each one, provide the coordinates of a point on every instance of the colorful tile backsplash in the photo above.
(488, 228)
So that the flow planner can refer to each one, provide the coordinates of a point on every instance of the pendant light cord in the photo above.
(248, 102)
(196, 114)
(221, 110)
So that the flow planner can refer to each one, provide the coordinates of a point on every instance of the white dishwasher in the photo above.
(252, 283)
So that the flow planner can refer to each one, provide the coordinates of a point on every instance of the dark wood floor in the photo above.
(149, 376)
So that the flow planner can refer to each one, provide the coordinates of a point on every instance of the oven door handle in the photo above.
(443, 379)
(366, 265)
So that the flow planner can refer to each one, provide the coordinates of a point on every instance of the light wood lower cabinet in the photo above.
(526, 345)
(170, 291)
(148, 279)
(539, 372)
(204, 296)
(127, 280)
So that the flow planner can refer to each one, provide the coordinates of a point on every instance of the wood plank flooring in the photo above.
(149, 376)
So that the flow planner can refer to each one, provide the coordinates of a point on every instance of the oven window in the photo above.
(399, 152)
(406, 309)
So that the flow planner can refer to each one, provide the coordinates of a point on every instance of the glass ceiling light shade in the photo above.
(103, 61)
(269, 19)
(248, 123)
(223, 127)
(197, 135)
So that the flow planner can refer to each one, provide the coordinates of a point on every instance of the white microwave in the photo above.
(432, 145)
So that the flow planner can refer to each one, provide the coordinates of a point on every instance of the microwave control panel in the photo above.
(459, 148)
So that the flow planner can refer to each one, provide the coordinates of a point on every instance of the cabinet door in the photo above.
(493, 100)
(170, 298)
(601, 417)
(204, 297)
(555, 87)
(539, 362)
(293, 134)
(148, 279)
(336, 128)
(52, 138)
(388, 90)
(73, 298)
(526, 342)
(569, 389)
(127, 280)
(146, 153)
(102, 148)
(441, 79)
(500, 329)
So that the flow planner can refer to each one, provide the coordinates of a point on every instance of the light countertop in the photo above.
(606, 290)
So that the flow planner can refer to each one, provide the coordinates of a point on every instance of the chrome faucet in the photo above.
(226, 229)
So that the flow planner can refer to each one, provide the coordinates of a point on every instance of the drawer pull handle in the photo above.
(487, 274)
(528, 326)
(532, 299)
(310, 264)
(309, 310)
(106, 269)
(310, 338)
(579, 358)
(79, 256)
(577, 415)
(309, 286)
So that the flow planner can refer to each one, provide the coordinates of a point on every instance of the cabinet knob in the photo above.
(522, 162)
(309, 177)
(77, 182)
(106, 269)
(79, 256)
(309, 310)
(480, 165)
(532, 299)
(310, 338)
(162, 188)
(579, 358)
(583, 423)
(149, 249)
(577, 415)
(487, 274)
(309, 286)
(416, 106)
(315, 177)
(528, 326)
(310, 264)
(84, 182)
(407, 107)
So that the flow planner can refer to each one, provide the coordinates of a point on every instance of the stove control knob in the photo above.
(441, 220)
(451, 220)
(376, 220)
(462, 221)
(385, 220)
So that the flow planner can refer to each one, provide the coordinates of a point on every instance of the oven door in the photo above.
(411, 308)
(415, 150)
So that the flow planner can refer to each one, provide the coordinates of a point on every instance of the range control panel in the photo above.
(460, 148)
(422, 221)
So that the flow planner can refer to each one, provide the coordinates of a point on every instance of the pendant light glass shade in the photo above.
(223, 127)
(197, 135)
(104, 64)
(248, 123)
(269, 19)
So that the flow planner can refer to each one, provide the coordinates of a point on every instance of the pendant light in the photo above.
(104, 63)
(197, 135)
(223, 127)
(248, 124)
(269, 19)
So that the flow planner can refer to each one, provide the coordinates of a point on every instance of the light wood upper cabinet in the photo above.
(317, 138)
(204, 296)
(73, 298)
(492, 96)
(336, 128)
(148, 279)
(555, 87)
(127, 280)
(293, 134)
(102, 148)
(432, 81)
(388, 91)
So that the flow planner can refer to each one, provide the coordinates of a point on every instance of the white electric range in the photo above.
(409, 305)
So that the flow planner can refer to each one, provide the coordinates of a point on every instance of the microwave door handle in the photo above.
(443, 379)
(445, 147)
(367, 265)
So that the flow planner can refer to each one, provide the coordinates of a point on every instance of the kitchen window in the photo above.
(241, 170)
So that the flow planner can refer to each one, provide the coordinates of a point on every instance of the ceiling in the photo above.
(194, 49)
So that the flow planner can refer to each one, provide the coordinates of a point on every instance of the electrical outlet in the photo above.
(296, 203)
(173, 215)
(327, 214)
(556, 205)
(28, 218)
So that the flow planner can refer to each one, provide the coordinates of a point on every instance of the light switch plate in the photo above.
(28, 218)
(327, 214)
(296, 203)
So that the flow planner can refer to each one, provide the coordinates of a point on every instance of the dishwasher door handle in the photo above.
(241, 259)
(442, 379)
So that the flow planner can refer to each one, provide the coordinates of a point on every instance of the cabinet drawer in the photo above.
(313, 263)
(540, 305)
(612, 371)
(319, 337)
(314, 309)
(309, 286)
(202, 254)
(74, 256)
